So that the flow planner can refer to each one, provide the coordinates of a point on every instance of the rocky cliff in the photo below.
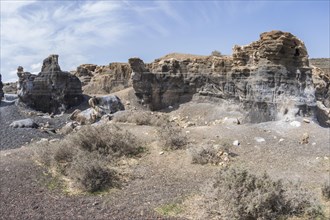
(1, 91)
(52, 90)
(104, 79)
(269, 77)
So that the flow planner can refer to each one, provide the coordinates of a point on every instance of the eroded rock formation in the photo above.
(104, 79)
(1, 91)
(52, 90)
(267, 76)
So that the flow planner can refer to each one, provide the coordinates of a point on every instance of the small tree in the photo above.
(216, 53)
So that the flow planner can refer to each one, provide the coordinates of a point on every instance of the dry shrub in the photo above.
(214, 154)
(90, 173)
(141, 118)
(110, 141)
(89, 156)
(326, 190)
(236, 194)
(172, 137)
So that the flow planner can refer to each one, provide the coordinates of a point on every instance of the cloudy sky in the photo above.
(101, 32)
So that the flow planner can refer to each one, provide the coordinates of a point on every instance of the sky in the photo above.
(101, 32)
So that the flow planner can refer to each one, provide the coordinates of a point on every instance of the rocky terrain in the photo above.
(264, 109)
(52, 90)
(104, 79)
(1, 89)
(268, 77)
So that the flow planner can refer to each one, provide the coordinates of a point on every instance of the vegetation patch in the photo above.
(90, 157)
(172, 137)
(326, 191)
(141, 118)
(172, 209)
(216, 154)
(237, 194)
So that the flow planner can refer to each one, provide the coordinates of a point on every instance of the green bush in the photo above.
(216, 53)
(236, 194)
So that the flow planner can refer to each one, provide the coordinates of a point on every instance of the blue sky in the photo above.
(101, 32)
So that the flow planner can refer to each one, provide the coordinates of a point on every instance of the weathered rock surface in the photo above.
(99, 106)
(24, 123)
(104, 79)
(52, 90)
(1, 91)
(267, 76)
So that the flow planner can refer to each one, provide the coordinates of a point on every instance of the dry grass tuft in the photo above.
(172, 137)
(89, 157)
(216, 154)
(237, 194)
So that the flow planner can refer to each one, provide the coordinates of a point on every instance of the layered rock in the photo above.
(268, 77)
(1, 91)
(52, 90)
(104, 79)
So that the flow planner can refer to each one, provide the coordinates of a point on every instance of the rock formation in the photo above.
(104, 79)
(52, 90)
(267, 76)
(1, 91)
(99, 106)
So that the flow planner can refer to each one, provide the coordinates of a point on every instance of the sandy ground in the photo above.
(29, 192)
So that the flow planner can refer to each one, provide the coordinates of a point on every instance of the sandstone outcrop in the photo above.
(1, 91)
(267, 76)
(104, 79)
(52, 90)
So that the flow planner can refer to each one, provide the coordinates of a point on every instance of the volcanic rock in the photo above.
(52, 90)
(1, 91)
(267, 77)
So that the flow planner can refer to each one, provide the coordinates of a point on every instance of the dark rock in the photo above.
(52, 90)
(1, 91)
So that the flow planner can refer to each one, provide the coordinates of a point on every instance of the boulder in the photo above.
(323, 114)
(1, 90)
(52, 90)
(99, 107)
(266, 76)
(24, 123)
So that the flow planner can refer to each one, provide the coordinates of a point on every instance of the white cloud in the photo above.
(31, 30)
(36, 66)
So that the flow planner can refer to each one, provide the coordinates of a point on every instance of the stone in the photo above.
(259, 139)
(52, 90)
(236, 143)
(102, 106)
(68, 128)
(296, 124)
(265, 76)
(305, 139)
(1, 89)
(322, 114)
(24, 123)
(306, 121)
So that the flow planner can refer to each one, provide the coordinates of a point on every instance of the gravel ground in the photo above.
(27, 191)
(16, 137)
